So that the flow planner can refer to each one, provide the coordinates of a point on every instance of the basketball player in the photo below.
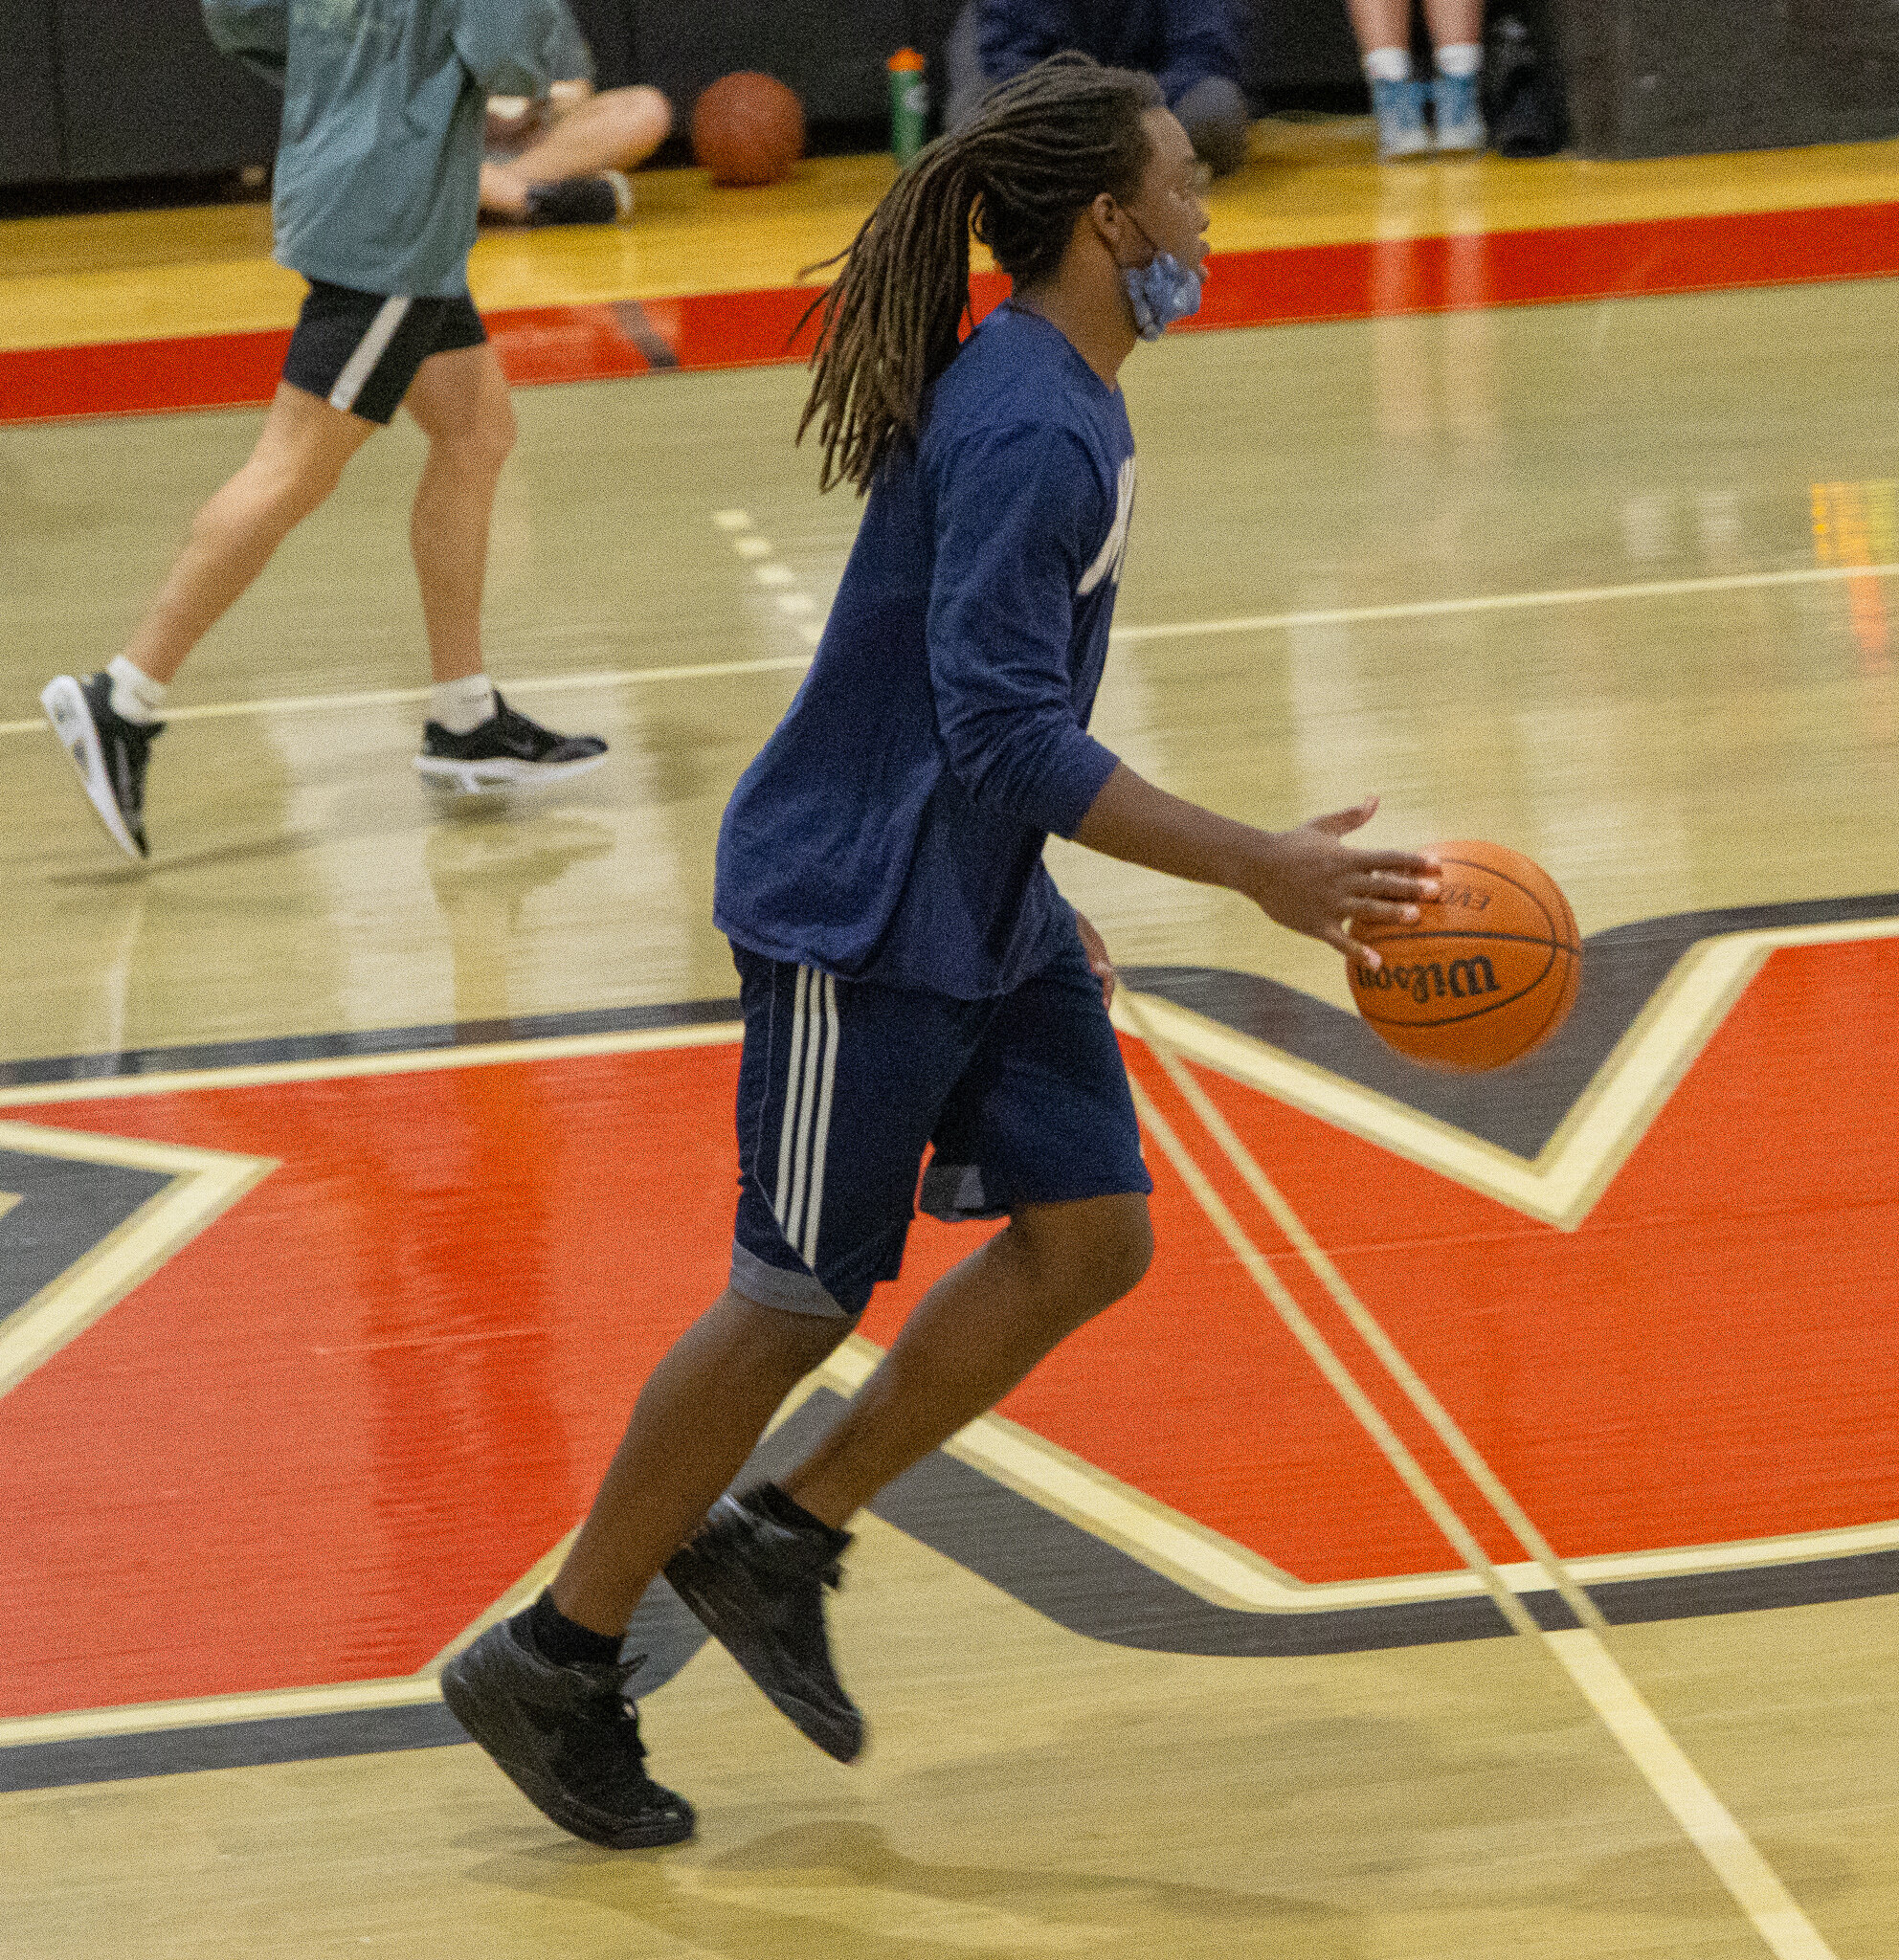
(375, 206)
(909, 974)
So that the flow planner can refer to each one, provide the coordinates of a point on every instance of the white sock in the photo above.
(1461, 60)
(461, 706)
(1388, 65)
(135, 696)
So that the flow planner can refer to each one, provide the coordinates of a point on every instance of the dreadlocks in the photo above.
(1038, 153)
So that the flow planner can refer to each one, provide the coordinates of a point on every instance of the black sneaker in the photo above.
(504, 752)
(606, 199)
(568, 1738)
(109, 752)
(757, 1587)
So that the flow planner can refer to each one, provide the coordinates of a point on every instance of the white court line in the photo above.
(1706, 1821)
(400, 697)
(1505, 602)
(1121, 635)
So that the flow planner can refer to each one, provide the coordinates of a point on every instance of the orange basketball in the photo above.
(1488, 971)
(748, 128)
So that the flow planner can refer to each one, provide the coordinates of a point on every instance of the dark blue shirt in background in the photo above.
(892, 827)
(1181, 42)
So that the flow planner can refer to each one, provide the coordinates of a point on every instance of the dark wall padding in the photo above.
(28, 94)
(832, 55)
(1672, 77)
(146, 95)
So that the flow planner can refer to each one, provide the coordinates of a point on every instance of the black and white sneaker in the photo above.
(756, 1584)
(108, 752)
(567, 1737)
(504, 753)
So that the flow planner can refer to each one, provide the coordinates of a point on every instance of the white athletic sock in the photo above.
(1388, 65)
(461, 706)
(135, 696)
(1460, 60)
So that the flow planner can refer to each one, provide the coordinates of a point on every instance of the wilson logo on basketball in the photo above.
(1457, 979)
(1484, 972)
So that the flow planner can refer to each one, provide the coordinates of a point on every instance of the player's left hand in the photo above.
(1099, 963)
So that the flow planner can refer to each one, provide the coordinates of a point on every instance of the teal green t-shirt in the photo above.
(378, 169)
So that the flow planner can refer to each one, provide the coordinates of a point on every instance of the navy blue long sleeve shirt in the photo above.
(892, 827)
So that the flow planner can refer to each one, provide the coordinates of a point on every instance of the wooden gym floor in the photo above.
(358, 1155)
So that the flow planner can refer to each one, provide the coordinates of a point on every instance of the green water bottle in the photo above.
(909, 104)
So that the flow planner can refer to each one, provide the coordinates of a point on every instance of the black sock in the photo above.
(565, 1642)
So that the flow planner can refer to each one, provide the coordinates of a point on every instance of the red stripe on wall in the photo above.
(1298, 284)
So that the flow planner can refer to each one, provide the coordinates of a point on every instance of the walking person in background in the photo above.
(375, 200)
(1400, 100)
(910, 977)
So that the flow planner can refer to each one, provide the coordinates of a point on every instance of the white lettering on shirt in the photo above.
(1107, 560)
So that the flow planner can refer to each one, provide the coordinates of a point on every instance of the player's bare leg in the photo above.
(756, 1571)
(972, 1338)
(299, 456)
(461, 402)
(473, 742)
(698, 1418)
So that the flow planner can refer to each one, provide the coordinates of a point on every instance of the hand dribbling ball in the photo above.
(748, 128)
(1488, 972)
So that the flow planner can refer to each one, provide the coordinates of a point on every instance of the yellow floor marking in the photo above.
(134, 276)
(481, 1055)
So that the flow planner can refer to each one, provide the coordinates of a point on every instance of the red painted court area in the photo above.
(343, 1420)
(1314, 282)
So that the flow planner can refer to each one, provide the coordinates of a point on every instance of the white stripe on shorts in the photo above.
(809, 1074)
(369, 350)
(787, 1134)
(830, 1076)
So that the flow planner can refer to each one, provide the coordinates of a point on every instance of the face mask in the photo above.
(1160, 292)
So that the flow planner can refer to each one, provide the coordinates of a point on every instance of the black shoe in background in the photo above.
(507, 752)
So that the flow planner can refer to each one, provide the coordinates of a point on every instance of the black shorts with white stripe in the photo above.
(359, 351)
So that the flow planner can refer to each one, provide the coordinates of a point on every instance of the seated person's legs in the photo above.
(580, 139)
(964, 82)
(1216, 118)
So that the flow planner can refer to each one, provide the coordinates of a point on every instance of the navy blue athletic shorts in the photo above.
(359, 351)
(843, 1084)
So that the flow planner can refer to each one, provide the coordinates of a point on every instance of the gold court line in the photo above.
(1561, 1185)
(406, 1062)
(1448, 1431)
(204, 1185)
(1129, 636)
(1706, 1821)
